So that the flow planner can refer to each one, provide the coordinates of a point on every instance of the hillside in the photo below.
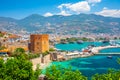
(63, 24)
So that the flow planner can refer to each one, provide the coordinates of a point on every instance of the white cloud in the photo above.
(78, 7)
(64, 5)
(48, 14)
(105, 8)
(93, 1)
(74, 8)
(109, 12)
(64, 13)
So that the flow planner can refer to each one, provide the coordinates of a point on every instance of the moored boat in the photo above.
(80, 42)
(110, 57)
(105, 41)
(71, 42)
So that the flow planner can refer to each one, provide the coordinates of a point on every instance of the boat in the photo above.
(90, 46)
(71, 42)
(63, 42)
(80, 42)
(105, 41)
(109, 57)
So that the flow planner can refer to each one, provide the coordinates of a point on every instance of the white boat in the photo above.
(110, 57)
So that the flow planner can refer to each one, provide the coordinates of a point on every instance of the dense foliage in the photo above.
(21, 51)
(71, 39)
(118, 60)
(17, 68)
(59, 73)
(2, 48)
(110, 75)
(51, 49)
(18, 52)
(45, 53)
(20, 68)
(31, 55)
(1, 35)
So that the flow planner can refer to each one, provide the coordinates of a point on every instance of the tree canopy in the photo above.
(110, 75)
(60, 73)
(18, 68)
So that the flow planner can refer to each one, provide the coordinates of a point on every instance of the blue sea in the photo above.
(75, 46)
(90, 65)
(110, 50)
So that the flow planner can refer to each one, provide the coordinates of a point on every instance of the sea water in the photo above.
(110, 50)
(89, 65)
(75, 46)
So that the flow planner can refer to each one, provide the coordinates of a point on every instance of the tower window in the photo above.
(37, 43)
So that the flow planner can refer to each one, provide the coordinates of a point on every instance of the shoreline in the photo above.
(47, 61)
(94, 51)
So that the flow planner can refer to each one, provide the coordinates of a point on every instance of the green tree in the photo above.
(45, 53)
(84, 39)
(110, 75)
(2, 47)
(118, 60)
(18, 68)
(18, 51)
(31, 55)
(51, 49)
(1, 35)
(60, 73)
(71, 39)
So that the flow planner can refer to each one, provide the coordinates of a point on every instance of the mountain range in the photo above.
(90, 23)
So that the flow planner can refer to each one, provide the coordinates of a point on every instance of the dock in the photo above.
(107, 54)
(96, 50)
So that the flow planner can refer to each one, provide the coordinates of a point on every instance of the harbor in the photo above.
(63, 56)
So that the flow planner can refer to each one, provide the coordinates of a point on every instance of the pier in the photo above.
(106, 54)
(96, 50)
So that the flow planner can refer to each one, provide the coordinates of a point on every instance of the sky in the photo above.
(19, 9)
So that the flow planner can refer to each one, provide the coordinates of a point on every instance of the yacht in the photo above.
(110, 57)
(105, 41)
(80, 42)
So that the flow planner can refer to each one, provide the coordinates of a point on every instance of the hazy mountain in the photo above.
(75, 23)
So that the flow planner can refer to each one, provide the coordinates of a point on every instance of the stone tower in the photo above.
(39, 43)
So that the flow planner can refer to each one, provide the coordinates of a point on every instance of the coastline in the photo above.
(47, 61)
(94, 51)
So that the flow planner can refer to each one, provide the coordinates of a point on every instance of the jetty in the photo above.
(107, 54)
(96, 50)
(77, 55)
(93, 51)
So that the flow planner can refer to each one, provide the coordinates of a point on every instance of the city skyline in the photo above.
(20, 9)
